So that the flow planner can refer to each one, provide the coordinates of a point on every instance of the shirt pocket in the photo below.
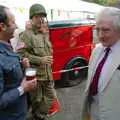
(38, 41)
(38, 45)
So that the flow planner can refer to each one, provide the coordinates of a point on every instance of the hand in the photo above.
(25, 62)
(28, 85)
(46, 60)
(28, 25)
(44, 27)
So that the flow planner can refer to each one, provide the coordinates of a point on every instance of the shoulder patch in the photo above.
(20, 45)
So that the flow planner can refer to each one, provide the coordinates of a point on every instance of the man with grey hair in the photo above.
(102, 93)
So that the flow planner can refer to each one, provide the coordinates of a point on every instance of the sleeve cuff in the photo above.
(21, 91)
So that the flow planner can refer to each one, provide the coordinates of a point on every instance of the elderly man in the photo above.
(103, 85)
(13, 84)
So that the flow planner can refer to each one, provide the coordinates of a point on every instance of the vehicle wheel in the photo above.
(74, 77)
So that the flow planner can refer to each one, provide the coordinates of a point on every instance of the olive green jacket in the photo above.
(37, 45)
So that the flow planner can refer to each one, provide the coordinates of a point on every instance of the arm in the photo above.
(26, 49)
(9, 96)
(35, 53)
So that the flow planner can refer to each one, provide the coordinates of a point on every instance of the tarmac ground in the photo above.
(71, 99)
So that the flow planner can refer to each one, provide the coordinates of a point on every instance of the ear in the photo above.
(2, 27)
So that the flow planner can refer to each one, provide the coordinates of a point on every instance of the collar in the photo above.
(114, 46)
(5, 48)
(5, 45)
(4, 42)
(35, 30)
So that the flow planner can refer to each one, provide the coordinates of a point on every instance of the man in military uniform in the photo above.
(37, 47)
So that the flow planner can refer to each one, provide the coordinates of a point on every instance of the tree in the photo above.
(102, 2)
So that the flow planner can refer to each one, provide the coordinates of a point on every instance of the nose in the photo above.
(100, 34)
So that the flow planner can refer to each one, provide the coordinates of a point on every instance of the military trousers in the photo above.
(41, 99)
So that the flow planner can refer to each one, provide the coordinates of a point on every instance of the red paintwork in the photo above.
(68, 43)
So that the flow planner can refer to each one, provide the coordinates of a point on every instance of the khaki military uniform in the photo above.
(37, 45)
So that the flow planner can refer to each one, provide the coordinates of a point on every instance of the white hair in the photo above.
(111, 13)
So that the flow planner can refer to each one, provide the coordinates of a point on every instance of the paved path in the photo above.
(71, 100)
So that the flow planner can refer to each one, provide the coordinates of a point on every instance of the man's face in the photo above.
(38, 20)
(10, 28)
(106, 32)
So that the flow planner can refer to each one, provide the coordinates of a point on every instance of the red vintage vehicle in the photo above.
(72, 43)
